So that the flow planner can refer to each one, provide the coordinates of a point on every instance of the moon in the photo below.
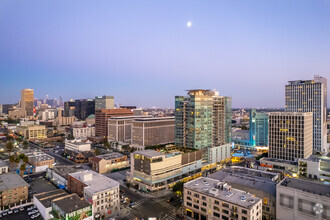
(189, 24)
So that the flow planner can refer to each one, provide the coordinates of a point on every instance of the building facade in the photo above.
(153, 131)
(104, 102)
(27, 101)
(202, 120)
(13, 190)
(310, 96)
(108, 162)
(302, 199)
(103, 197)
(315, 167)
(103, 115)
(290, 135)
(82, 132)
(206, 198)
(258, 128)
(154, 171)
(33, 132)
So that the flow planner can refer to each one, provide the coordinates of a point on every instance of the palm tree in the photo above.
(22, 169)
(25, 144)
(9, 147)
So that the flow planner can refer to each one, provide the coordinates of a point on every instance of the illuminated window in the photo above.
(265, 201)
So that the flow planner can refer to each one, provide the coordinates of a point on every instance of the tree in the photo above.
(106, 144)
(12, 158)
(178, 188)
(128, 185)
(21, 156)
(9, 147)
(97, 151)
(25, 159)
(25, 144)
(17, 159)
(22, 169)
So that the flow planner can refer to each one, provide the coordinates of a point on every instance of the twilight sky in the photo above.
(143, 53)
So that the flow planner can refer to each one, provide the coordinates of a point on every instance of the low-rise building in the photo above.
(43, 201)
(78, 156)
(13, 190)
(32, 132)
(40, 160)
(258, 182)
(108, 162)
(302, 199)
(288, 167)
(315, 167)
(153, 131)
(3, 167)
(82, 132)
(71, 207)
(154, 171)
(206, 198)
(78, 145)
(59, 174)
(98, 190)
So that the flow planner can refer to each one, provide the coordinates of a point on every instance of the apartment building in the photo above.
(103, 197)
(153, 131)
(82, 132)
(102, 116)
(32, 132)
(257, 182)
(302, 199)
(202, 120)
(120, 128)
(108, 162)
(13, 190)
(77, 145)
(206, 198)
(155, 171)
(290, 135)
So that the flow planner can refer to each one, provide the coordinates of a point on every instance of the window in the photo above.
(203, 197)
(189, 198)
(244, 218)
(216, 208)
(196, 195)
(225, 218)
(225, 205)
(188, 192)
(244, 211)
(196, 206)
(189, 204)
(225, 211)
(204, 204)
(203, 209)
(286, 201)
(216, 214)
(216, 202)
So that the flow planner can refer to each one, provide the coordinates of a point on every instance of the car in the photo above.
(16, 210)
(35, 216)
(21, 208)
(29, 209)
(33, 212)
(0, 215)
(132, 204)
(10, 211)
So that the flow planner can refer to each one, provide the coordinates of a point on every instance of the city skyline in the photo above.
(145, 53)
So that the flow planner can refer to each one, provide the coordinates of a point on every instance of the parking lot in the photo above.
(39, 185)
(21, 214)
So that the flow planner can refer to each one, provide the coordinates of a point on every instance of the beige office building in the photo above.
(33, 132)
(206, 198)
(302, 199)
(108, 162)
(27, 101)
(290, 135)
(153, 131)
(120, 128)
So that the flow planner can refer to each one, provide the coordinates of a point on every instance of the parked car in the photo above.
(21, 209)
(35, 216)
(10, 211)
(132, 204)
(15, 210)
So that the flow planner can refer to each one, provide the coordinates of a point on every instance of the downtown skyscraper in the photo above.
(310, 96)
(27, 101)
(202, 120)
(258, 128)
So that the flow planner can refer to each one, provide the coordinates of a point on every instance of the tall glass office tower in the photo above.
(310, 96)
(202, 120)
(258, 128)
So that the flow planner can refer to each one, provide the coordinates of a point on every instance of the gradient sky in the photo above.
(143, 53)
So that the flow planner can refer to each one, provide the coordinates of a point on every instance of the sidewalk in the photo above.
(122, 212)
(149, 195)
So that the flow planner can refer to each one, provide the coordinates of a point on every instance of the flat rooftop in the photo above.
(71, 203)
(64, 171)
(149, 153)
(3, 163)
(110, 156)
(129, 117)
(11, 181)
(154, 119)
(95, 182)
(39, 156)
(246, 180)
(307, 186)
(266, 159)
(315, 158)
(212, 188)
(46, 198)
(77, 142)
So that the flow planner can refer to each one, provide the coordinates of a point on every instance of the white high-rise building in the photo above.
(310, 96)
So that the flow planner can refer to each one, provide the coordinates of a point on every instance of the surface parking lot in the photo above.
(20, 215)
